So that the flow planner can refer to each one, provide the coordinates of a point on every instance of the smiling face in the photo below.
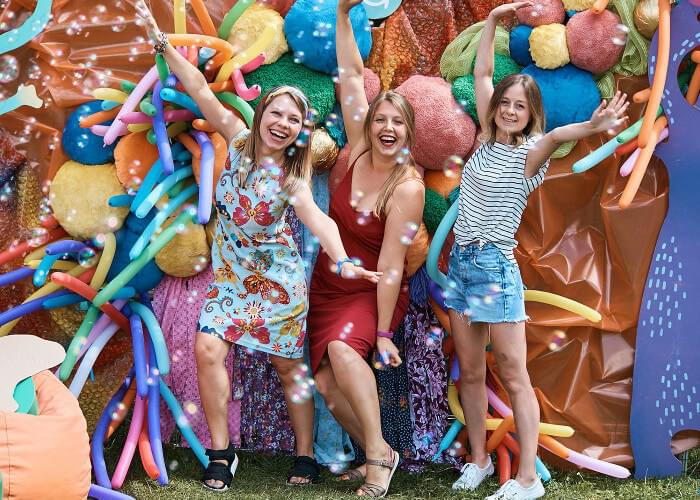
(388, 130)
(280, 124)
(513, 112)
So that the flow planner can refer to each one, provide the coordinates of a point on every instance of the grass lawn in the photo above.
(262, 477)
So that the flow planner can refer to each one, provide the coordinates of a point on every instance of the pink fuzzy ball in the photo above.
(442, 128)
(339, 169)
(372, 86)
(590, 38)
(542, 12)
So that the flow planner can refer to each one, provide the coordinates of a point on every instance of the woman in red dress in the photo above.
(378, 202)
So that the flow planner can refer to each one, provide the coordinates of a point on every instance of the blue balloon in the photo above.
(520, 44)
(80, 144)
(146, 279)
(310, 30)
(569, 94)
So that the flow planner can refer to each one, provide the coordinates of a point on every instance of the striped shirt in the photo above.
(493, 195)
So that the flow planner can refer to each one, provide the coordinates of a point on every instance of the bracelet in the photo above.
(385, 333)
(339, 265)
(161, 44)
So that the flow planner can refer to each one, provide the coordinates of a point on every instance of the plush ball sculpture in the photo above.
(548, 46)
(251, 25)
(646, 17)
(79, 197)
(569, 94)
(317, 86)
(578, 5)
(133, 157)
(592, 40)
(80, 144)
(324, 151)
(436, 206)
(372, 86)
(520, 44)
(542, 12)
(442, 129)
(147, 278)
(310, 30)
(281, 6)
(187, 254)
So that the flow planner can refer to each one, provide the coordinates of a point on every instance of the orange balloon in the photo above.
(133, 157)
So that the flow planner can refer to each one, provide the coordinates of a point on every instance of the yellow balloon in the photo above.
(60, 265)
(247, 55)
(138, 127)
(563, 303)
(105, 262)
(107, 94)
(179, 15)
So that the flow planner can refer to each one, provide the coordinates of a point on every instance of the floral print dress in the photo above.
(258, 297)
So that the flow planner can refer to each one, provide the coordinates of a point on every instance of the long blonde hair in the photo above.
(297, 161)
(402, 171)
(536, 124)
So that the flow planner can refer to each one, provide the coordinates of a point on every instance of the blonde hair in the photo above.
(403, 171)
(297, 162)
(536, 124)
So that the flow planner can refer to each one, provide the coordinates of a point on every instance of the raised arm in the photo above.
(606, 117)
(405, 210)
(350, 76)
(326, 230)
(224, 121)
(483, 68)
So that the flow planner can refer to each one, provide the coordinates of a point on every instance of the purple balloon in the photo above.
(101, 493)
(16, 275)
(65, 246)
(206, 177)
(162, 140)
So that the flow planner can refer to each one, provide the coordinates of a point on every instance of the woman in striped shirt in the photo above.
(486, 300)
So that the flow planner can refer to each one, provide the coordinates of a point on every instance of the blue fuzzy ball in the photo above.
(147, 278)
(569, 94)
(520, 44)
(80, 144)
(310, 30)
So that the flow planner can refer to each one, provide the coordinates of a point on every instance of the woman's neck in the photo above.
(265, 152)
(382, 163)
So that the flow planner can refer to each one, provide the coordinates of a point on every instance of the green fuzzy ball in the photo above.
(318, 87)
(435, 209)
(463, 87)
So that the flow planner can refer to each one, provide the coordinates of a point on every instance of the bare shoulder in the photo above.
(411, 188)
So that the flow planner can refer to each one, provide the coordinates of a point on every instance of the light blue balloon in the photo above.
(379, 9)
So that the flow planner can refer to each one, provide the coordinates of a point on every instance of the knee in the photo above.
(208, 352)
(324, 385)
(286, 368)
(472, 375)
(515, 380)
(339, 352)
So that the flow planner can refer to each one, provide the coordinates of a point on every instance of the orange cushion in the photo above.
(48, 455)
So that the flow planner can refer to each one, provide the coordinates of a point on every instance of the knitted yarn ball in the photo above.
(372, 86)
(133, 157)
(251, 25)
(592, 40)
(339, 170)
(542, 12)
(520, 44)
(310, 30)
(569, 94)
(646, 17)
(80, 144)
(458, 57)
(187, 254)
(147, 278)
(578, 5)
(548, 46)
(281, 6)
(436, 206)
(335, 126)
(79, 197)
(442, 129)
(463, 87)
(324, 151)
(316, 86)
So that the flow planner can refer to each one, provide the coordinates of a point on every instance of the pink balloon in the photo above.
(132, 101)
(628, 166)
(130, 444)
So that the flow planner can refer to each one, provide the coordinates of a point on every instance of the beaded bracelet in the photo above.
(339, 265)
(385, 333)
(161, 44)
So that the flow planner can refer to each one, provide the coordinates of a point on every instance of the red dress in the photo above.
(342, 309)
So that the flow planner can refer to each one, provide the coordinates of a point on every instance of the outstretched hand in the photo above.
(508, 8)
(144, 13)
(346, 5)
(610, 115)
(352, 272)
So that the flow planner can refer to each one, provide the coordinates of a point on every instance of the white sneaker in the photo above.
(472, 476)
(513, 490)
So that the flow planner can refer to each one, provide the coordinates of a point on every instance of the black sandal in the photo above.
(217, 471)
(305, 468)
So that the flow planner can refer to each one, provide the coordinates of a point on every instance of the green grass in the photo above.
(263, 477)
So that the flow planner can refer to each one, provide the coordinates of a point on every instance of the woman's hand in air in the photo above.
(149, 22)
(387, 352)
(508, 8)
(352, 272)
(610, 115)
(346, 5)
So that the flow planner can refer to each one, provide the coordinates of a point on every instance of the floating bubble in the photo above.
(38, 236)
(173, 465)
(331, 120)
(409, 232)
(190, 407)
(9, 68)
(556, 340)
(322, 29)
(621, 34)
(303, 137)
(119, 24)
(5, 192)
(453, 167)
(403, 156)
(299, 56)
(87, 257)
(356, 197)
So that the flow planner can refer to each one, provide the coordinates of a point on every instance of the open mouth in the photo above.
(281, 136)
(387, 140)
(508, 120)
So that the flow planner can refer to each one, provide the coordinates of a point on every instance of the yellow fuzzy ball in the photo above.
(79, 198)
(250, 26)
(646, 17)
(548, 46)
(324, 151)
(187, 254)
(578, 5)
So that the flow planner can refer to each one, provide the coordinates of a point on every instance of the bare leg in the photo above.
(356, 381)
(469, 346)
(510, 347)
(214, 389)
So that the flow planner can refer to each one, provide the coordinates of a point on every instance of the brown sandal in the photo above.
(351, 476)
(374, 490)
